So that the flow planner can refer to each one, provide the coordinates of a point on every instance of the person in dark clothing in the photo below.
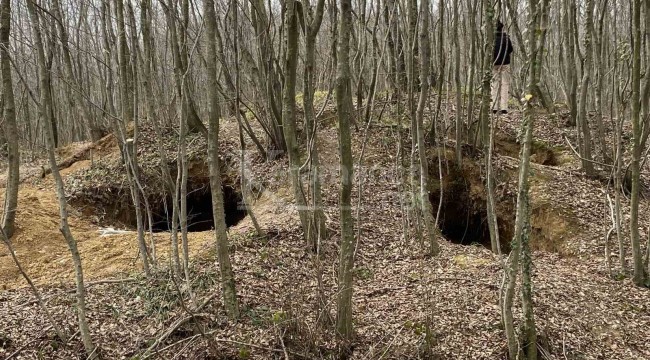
(500, 74)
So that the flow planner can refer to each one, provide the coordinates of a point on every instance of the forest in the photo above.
(325, 179)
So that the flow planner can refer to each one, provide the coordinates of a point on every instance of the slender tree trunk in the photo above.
(520, 246)
(485, 123)
(600, 56)
(570, 63)
(639, 272)
(183, 167)
(425, 58)
(243, 180)
(127, 106)
(150, 108)
(310, 117)
(289, 119)
(618, 188)
(176, 218)
(457, 84)
(583, 121)
(227, 275)
(270, 80)
(10, 127)
(472, 67)
(45, 113)
(412, 13)
(344, 109)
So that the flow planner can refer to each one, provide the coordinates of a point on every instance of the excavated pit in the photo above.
(463, 216)
(199, 210)
(121, 212)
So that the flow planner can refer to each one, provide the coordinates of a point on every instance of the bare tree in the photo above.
(227, 275)
(291, 33)
(45, 111)
(313, 20)
(345, 113)
(10, 128)
(537, 21)
(587, 63)
(425, 52)
(128, 117)
(638, 143)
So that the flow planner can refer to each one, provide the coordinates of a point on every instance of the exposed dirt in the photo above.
(43, 252)
(400, 295)
(463, 219)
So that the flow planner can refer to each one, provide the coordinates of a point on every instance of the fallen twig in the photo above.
(28, 343)
(171, 329)
(179, 323)
(235, 342)
(104, 281)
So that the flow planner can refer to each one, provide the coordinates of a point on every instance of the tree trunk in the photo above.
(457, 84)
(583, 121)
(10, 128)
(485, 123)
(127, 106)
(270, 80)
(344, 109)
(227, 275)
(46, 113)
(600, 56)
(570, 63)
(639, 272)
(425, 58)
(520, 247)
(289, 120)
(310, 118)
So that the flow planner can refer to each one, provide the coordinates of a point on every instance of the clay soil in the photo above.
(406, 305)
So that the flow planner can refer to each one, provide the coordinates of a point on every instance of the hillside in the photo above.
(404, 301)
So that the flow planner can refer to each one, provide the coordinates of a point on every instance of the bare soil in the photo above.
(406, 305)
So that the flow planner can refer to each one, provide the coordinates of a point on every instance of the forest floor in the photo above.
(406, 305)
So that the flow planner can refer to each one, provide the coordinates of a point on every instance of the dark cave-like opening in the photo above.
(463, 217)
(199, 210)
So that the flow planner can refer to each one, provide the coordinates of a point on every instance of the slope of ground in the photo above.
(406, 305)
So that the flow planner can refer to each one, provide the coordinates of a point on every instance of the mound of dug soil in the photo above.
(463, 217)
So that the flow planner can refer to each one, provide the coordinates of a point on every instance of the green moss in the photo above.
(278, 317)
(244, 353)
(364, 273)
(319, 97)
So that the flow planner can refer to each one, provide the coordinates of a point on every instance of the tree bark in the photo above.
(583, 121)
(46, 113)
(425, 58)
(289, 120)
(344, 109)
(127, 107)
(520, 246)
(485, 124)
(457, 85)
(311, 32)
(225, 267)
(10, 128)
(639, 272)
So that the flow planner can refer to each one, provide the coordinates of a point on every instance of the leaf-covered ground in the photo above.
(406, 305)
